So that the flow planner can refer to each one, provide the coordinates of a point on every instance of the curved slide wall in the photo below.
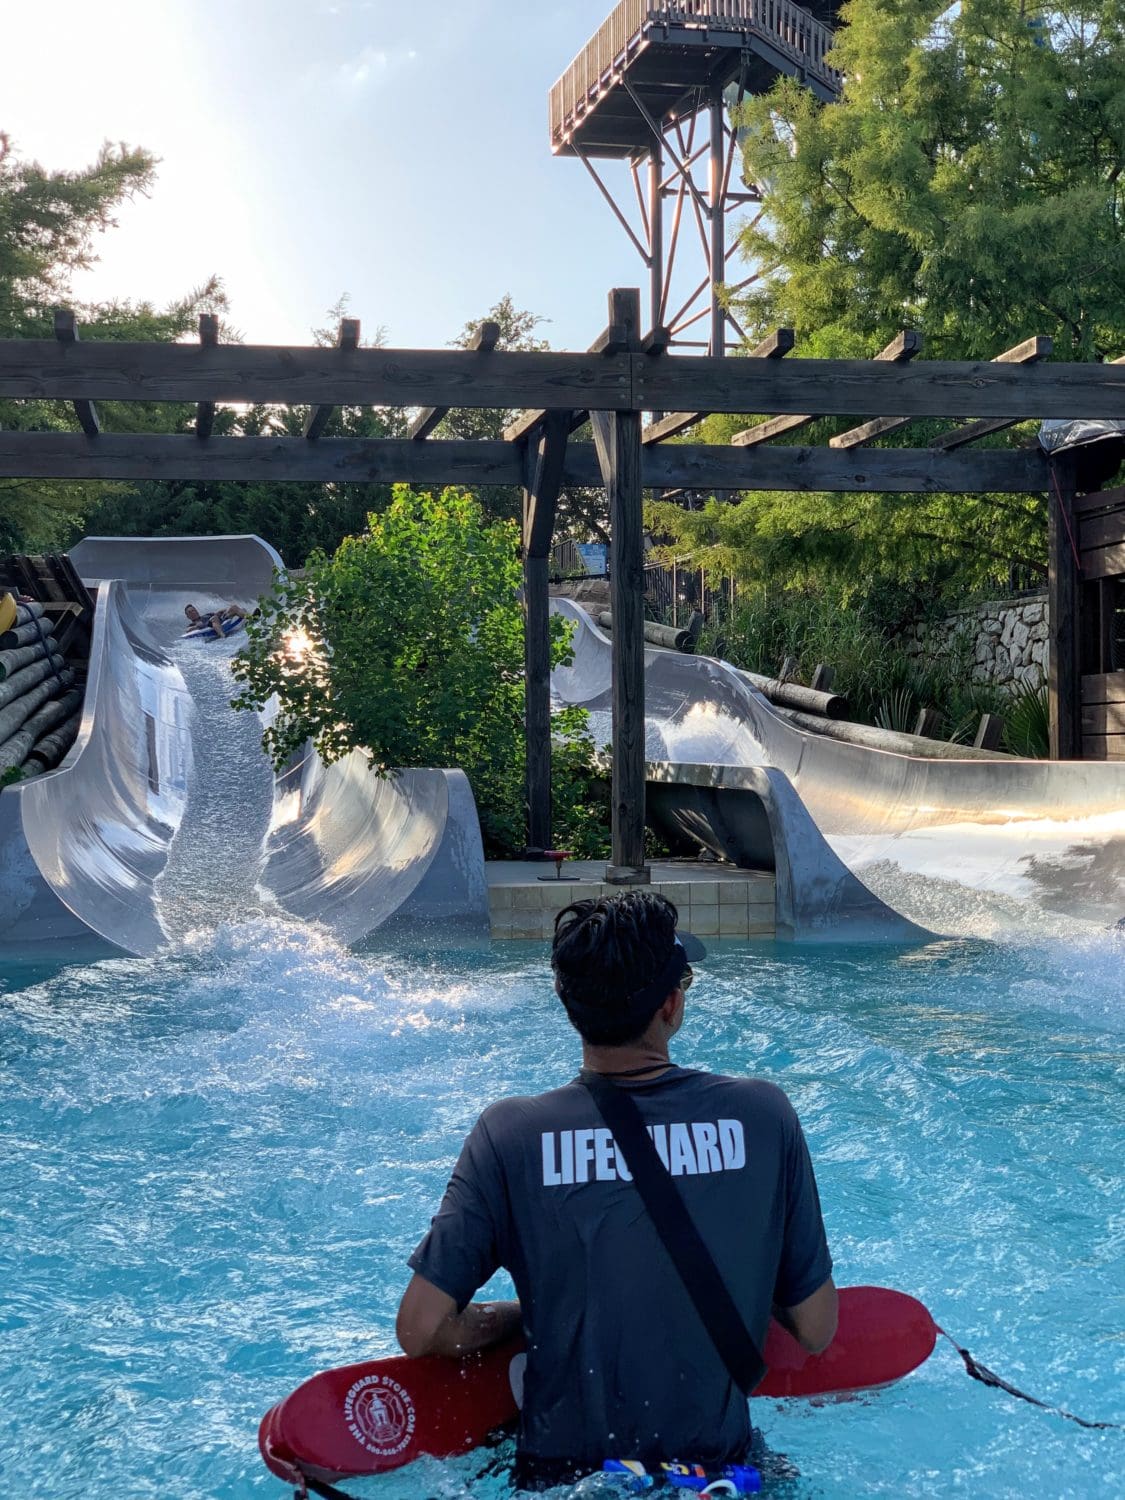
(866, 843)
(83, 848)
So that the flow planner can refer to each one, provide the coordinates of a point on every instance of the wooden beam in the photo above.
(66, 331)
(163, 456)
(544, 483)
(904, 346)
(1028, 352)
(911, 345)
(621, 336)
(139, 456)
(872, 471)
(347, 340)
(36, 369)
(484, 341)
(205, 410)
(1100, 500)
(1063, 676)
(927, 388)
(776, 346)
(540, 500)
(617, 440)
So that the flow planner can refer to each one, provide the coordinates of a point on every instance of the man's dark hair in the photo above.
(607, 955)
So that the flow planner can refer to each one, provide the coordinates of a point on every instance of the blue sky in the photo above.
(394, 151)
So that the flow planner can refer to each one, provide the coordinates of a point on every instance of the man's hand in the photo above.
(429, 1323)
(813, 1321)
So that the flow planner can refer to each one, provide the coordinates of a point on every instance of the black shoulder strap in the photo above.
(678, 1233)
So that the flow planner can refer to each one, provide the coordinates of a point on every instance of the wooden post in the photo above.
(66, 331)
(537, 714)
(1064, 684)
(617, 437)
(540, 498)
(205, 410)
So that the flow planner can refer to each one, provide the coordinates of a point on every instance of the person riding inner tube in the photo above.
(221, 622)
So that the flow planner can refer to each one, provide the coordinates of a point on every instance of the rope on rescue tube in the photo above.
(986, 1376)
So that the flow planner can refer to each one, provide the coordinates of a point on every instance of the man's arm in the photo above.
(429, 1323)
(813, 1321)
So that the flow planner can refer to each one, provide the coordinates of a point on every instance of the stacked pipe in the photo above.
(40, 706)
(668, 636)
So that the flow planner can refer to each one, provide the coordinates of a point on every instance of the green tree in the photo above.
(296, 518)
(968, 184)
(49, 223)
(581, 512)
(408, 643)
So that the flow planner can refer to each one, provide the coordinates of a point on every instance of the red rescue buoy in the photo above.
(375, 1416)
(882, 1336)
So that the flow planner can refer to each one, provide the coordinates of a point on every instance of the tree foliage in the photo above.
(49, 223)
(581, 512)
(968, 185)
(408, 642)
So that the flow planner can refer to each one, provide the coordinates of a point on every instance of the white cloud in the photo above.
(372, 63)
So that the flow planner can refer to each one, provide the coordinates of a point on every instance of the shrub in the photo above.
(408, 643)
(884, 684)
(1027, 722)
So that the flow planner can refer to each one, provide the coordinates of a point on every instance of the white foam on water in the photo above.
(218, 853)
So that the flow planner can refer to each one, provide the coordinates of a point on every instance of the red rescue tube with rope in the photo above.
(379, 1415)
(882, 1336)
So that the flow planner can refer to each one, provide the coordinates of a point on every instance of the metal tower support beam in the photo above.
(690, 163)
(717, 185)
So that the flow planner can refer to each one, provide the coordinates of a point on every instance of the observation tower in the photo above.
(653, 89)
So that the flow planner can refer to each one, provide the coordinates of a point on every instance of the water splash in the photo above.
(218, 852)
(213, 1164)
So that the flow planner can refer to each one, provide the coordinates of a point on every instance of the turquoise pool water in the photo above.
(213, 1164)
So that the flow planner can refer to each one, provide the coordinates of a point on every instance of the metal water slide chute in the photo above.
(82, 848)
(866, 843)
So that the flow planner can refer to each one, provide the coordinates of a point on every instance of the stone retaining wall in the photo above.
(1006, 641)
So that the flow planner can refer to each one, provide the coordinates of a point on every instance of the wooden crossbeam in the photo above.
(39, 369)
(544, 481)
(66, 331)
(904, 346)
(484, 341)
(719, 470)
(140, 456)
(776, 346)
(855, 437)
(347, 339)
(205, 410)
(621, 336)
(957, 437)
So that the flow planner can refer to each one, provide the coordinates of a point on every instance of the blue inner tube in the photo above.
(208, 632)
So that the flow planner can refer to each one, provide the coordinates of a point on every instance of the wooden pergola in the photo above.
(622, 377)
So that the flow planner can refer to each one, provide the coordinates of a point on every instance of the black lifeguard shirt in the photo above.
(619, 1364)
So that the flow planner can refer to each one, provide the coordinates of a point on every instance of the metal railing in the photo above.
(788, 27)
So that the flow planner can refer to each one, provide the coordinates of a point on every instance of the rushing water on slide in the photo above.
(213, 1164)
(216, 856)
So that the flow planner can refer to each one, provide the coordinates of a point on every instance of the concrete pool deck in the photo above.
(714, 901)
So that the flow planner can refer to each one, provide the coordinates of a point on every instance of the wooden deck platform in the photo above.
(653, 57)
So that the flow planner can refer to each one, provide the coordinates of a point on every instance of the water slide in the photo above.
(166, 815)
(866, 844)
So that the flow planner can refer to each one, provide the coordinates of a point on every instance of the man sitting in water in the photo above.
(196, 621)
(619, 1363)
